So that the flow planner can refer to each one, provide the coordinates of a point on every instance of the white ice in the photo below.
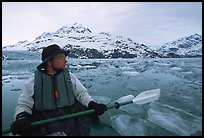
(174, 119)
(130, 73)
(128, 126)
(180, 81)
(176, 68)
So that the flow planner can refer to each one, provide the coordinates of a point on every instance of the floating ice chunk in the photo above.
(5, 72)
(133, 109)
(188, 72)
(162, 64)
(176, 68)
(89, 67)
(174, 119)
(127, 68)
(128, 126)
(76, 67)
(101, 99)
(130, 73)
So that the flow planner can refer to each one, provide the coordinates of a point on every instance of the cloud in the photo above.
(146, 22)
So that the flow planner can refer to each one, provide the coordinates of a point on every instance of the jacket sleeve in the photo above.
(80, 91)
(25, 101)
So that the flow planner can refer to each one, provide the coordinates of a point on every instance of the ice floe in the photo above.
(174, 119)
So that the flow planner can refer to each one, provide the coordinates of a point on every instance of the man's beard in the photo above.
(58, 70)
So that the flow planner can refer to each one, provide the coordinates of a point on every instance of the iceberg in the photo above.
(174, 119)
(131, 73)
(128, 126)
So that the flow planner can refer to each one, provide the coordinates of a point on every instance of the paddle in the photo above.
(142, 98)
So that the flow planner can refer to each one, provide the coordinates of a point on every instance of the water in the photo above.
(178, 111)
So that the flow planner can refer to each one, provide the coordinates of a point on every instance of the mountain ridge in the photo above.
(83, 43)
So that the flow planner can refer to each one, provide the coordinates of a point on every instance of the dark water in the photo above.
(178, 111)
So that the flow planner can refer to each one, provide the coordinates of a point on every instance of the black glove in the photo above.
(99, 108)
(22, 125)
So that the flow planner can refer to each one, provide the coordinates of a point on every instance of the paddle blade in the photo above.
(147, 96)
(125, 98)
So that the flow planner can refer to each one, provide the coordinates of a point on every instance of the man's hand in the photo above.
(22, 124)
(99, 108)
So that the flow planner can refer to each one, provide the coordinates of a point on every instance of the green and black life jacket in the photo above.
(53, 92)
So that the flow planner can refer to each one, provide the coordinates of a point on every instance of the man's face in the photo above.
(59, 61)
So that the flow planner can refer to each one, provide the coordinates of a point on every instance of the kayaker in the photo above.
(50, 92)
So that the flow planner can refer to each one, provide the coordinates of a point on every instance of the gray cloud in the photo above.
(151, 23)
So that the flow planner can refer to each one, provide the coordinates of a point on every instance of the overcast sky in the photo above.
(150, 23)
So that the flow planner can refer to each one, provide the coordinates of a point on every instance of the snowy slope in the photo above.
(83, 43)
(185, 46)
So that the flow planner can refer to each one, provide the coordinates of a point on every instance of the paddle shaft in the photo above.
(74, 115)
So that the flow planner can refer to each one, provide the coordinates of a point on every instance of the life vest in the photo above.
(53, 92)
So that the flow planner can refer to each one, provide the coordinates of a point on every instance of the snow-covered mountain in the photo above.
(190, 46)
(83, 43)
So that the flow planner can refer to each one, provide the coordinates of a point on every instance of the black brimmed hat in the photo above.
(49, 52)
